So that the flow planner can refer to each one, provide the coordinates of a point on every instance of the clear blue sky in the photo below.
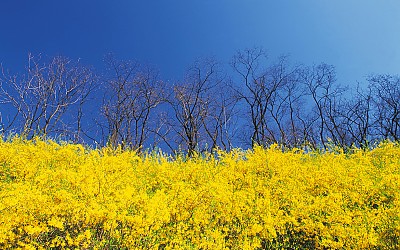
(358, 36)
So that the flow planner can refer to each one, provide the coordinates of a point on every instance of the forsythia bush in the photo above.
(66, 196)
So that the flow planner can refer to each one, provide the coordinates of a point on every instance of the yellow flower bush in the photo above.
(66, 196)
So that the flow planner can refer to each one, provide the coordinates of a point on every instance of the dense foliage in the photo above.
(65, 195)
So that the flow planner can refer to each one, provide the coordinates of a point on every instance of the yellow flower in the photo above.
(56, 222)
(68, 196)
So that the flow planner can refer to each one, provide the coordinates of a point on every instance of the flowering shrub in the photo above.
(66, 196)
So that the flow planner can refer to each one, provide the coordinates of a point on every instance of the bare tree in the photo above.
(45, 94)
(328, 104)
(247, 63)
(220, 122)
(202, 110)
(386, 101)
(268, 92)
(294, 127)
(357, 115)
(133, 92)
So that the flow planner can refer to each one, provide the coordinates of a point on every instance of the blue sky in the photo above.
(357, 37)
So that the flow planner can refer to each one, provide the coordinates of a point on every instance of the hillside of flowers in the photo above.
(68, 196)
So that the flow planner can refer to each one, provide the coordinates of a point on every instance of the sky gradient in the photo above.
(357, 37)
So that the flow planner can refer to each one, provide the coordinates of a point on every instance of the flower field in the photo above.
(67, 196)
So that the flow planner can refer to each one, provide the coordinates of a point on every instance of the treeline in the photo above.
(251, 101)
